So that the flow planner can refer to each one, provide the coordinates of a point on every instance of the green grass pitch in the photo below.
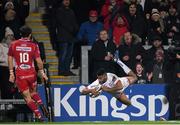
(101, 123)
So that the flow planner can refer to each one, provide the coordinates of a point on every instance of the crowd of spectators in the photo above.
(122, 26)
(12, 17)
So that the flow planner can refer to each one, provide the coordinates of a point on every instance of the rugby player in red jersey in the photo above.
(23, 52)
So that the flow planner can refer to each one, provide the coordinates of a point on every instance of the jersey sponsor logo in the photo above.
(20, 48)
(25, 77)
(25, 66)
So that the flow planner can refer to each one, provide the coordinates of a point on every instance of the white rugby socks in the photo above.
(123, 66)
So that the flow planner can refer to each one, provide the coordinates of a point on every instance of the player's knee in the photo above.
(28, 99)
(33, 93)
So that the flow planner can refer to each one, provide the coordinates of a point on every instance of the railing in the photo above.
(12, 101)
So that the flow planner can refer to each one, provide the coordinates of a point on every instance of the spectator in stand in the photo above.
(138, 6)
(109, 12)
(89, 30)
(1, 20)
(136, 21)
(5, 85)
(172, 2)
(67, 28)
(8, 5)
(163, 11)
(23, 10)
(120, 27)
(172, 22)
(140, 73)
(156, 44)
(87, 35)
(102, 53)
(11, 20)
(131, 50)
(157, 71)
(155, 25)
(51, 8)
(150, 4)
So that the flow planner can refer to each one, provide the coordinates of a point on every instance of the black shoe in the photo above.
(44, 111)
(38, 120)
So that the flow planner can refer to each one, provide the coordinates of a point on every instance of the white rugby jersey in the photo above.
(111, 80)
(110, 83)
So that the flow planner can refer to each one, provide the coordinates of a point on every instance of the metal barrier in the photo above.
(12, 101)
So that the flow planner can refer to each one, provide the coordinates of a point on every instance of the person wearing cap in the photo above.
(9, 5)
(89, 30)
(87, 35)
(155, 25)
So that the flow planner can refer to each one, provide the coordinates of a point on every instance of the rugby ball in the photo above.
(98, 88)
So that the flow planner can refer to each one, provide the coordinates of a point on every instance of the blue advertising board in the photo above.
(148, 103)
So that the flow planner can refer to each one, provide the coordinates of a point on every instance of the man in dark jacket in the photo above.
(67, 28)
(131, 50)
(102, 53)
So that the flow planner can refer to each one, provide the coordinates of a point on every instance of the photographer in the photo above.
(174, 59)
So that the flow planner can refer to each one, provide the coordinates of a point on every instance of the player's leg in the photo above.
(123, 99)
(31, 104)
(23, 87)
(131, 75)
(35, 96)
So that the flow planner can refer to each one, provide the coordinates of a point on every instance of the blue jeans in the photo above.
(65, 56)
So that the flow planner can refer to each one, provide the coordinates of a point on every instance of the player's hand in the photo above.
(43, 75)
(12, 78)
(95, 92)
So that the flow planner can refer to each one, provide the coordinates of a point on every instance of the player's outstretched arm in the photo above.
(86, 91)
(40, 67)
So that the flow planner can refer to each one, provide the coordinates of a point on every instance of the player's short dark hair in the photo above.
(100, 72)
(25, 31)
